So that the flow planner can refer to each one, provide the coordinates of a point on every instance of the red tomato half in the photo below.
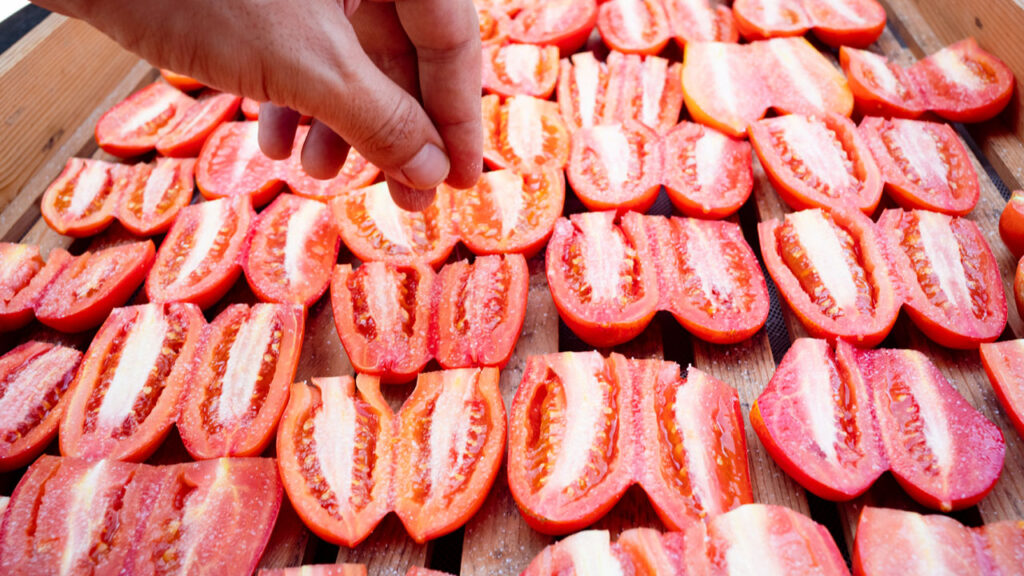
(880, 87)
(1004, 364)
(232, 164)
(604, 289)
(569, 441)
(355, 173)
(525, 134)
(82, 295)
(82, 200)
(562, 23)
(292, 251)
(126, 393)
(580, 553)
(700, 21)
(1011, 224)
(20, 264)
(151, 195)
(924, 164)
(963, 83)
(645, 89)
(706, 173)
(34, 380)
(582, 89)
(506, 212)
(634, 26)
(761, 19)
(616, 167)
(480, 310)
(818, 162)
(238, 384)
(722, 86)
(418, 571)
(941, 450)
(948, 274)
(520, 69)
(197, 122)
(451, 444)
(318, 570)
(200, 257)
(383, 316)
(136, 124)
(335, 453)
(181, 82)
(815, 417)
(832, 270)
(709, 277)
(837, 23)
(494, 24)
(801, 80)
(1003, 543)
(373, 227)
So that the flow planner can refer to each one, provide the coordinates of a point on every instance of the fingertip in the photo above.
(408, 198)
(324, 152)
(277, 130)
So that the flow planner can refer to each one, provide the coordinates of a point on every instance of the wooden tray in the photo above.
(58, 79)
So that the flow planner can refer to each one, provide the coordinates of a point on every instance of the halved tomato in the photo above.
(1004, 364)
(317, 570)
(335, 454)
(34, 380)
(722, 86)
(582, 553)
(941, 450)
(1011, 224)
(200, 258)
(582, 88)
(520, 69)
(879, 87)
(570, 441)
(924, 164)
(832, 270)
(525, 134)
(762, 19)
(816, 419)
(706, 173)
(450, 446)
(605, 289)
(250, 109)
(963, 83)
(373, 227)
(151, 195)
(654, 553)
(126, 393)
(134, 125)
(818, 162)
(709, 277)
(855, 23)
(355, 173)
(615, 166)
(801, 80)
(700, 21)
(181, 82)
(232, 164)
(19, 266)
(506, 212)
(238, 385)
(646, 89)
(292, 250)
(694, 464)
(634, 26)
(419, 571)
(82, 200)
(1003, 544)
(949, 277)
(197, 122)
(82, 295)
(480, 310)
(562, 23)
(16, 535)
(494, 24)
(383, 316)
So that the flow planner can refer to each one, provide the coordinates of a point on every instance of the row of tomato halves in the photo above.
(583, 428)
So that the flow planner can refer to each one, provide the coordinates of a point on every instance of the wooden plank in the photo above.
(38, 111)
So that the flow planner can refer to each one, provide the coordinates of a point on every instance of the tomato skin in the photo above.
(784, 417)
(616, 167)
(356, 410)
(22, 280)
(505, 146)
(562, 23)
(862, 319)
(950, 98)
(197, 122)
(526, 69)
(480, 309)
(220, 251)
(51, 369)
(387, 335)
(101, 182)
(267, 337)
(1011, 224)
(232, 164)
(506, 212)
(171, 329)
(622, 310)
(779, 143)
(110, 275)
(294, 269)
(165, 106)
(958, 301)
(954, 191)
(443, 410)
(645, 30)
(875, 96)
(181, 82)
(706, 173)
(1003, 363)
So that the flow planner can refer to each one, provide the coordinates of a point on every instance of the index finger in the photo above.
(447, 39)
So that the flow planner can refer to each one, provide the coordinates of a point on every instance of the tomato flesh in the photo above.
(237, 388)
(562, 23)
(794, 62)
(355, 173)
(951, 280)
(232, 164)
(1004, 364)
(963, 83)
(317, 570)
(759, 20)
(82, 200)
(582, 90)
(615, 167)
(634, 26)
(880, 87)
(525, 134)
(645, 89)
(706, 173)
(136, 124)
(520, 69)
(855, 23)
(196, 123)
(20, 265)
(700, 21)
(153, 194)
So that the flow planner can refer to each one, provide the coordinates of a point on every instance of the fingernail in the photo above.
(428, 168)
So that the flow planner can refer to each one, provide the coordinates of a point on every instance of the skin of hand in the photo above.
(399, 81)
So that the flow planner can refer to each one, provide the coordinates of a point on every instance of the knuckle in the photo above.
(391, 135)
